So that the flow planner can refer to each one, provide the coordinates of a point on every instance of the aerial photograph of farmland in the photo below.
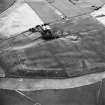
(52, 52)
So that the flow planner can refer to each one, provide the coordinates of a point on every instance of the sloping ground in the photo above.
(72, 8)
(46, 12)
(86, 95)
(81, 52)
(56, 9)
(93, 94)
(69, 57)
(69, 9)
(5, 4)
(20, 19)
(23, 17)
